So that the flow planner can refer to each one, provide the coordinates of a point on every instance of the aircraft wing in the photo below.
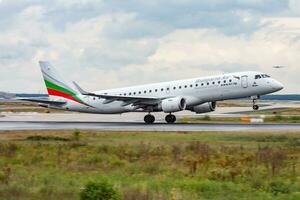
(136, 101)
(44, 101)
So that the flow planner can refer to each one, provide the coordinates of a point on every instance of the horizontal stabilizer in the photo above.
(83, 92)
(45, 101)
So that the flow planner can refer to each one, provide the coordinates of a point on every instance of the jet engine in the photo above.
(204, 108)
(173, 104)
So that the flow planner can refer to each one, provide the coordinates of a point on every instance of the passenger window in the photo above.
(191, 85)
(213, 83)
(155, 90)
(145, 91)
(185, 86)
(140, 92)
(179, 87)
(134, 93)
(150, 91)
(196, 85)
(162, 89)
(174, 88)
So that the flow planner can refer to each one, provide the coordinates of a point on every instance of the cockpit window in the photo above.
(262, 76)
(257, 76)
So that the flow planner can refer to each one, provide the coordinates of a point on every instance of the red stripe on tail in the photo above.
(61, 94)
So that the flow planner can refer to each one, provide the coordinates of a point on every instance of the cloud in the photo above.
(294, 6)
(156, 17)
(106, 44)
(200, 52)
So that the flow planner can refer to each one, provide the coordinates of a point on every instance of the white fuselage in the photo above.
(195, 91)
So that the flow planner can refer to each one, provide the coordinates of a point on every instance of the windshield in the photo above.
(259, 76)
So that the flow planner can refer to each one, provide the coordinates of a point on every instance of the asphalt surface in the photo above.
(139, 126)
(134, 121)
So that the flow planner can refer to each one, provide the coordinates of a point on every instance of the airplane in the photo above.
(278, 67)
(198, 95)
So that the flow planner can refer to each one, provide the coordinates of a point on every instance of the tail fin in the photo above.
(55, 84)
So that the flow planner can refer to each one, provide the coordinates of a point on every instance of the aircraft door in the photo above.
(245, 81)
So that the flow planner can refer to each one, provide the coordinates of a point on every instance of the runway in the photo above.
(134, 121)
(139, 126)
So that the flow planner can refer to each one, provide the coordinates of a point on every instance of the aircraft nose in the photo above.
(276, 85)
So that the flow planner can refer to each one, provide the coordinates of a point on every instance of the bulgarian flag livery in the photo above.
(55, 84)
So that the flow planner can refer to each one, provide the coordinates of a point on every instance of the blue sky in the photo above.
(113, 43)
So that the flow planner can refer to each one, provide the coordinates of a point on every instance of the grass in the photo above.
(268, 119)
(23, 106)
(151, 165)
(279, 119)
(31, 110)
(289, 111)
(208, 119)
(234, 103)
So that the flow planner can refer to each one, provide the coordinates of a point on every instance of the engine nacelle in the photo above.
(173, 104)
(205, 108)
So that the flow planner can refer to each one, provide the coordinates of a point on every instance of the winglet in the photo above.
(83, 92)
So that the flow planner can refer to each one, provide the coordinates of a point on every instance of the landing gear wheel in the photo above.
(255, 107)
(149, 119)
(170, 119)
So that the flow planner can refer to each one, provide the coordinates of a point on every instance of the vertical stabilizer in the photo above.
(56, 86)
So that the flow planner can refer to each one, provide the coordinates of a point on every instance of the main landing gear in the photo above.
(170, 119)
(150, 119)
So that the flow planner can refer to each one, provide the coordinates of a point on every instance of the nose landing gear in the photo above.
(255, 107)
(170, 119)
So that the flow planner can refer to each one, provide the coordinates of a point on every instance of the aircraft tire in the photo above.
(149, 119)
(170, 119)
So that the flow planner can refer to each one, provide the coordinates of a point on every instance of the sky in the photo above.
(103, 44)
